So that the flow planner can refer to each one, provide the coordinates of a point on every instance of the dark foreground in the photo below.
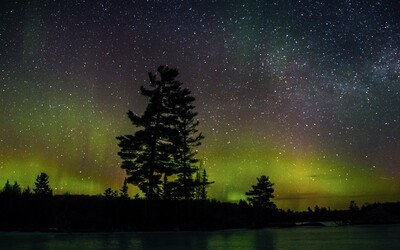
(342, 237)
(72, 213)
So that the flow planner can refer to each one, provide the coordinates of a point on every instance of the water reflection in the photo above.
(230, 239)
(259, 239)
(361, 237)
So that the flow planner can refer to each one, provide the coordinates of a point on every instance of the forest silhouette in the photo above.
(27, 210)
(160, 159)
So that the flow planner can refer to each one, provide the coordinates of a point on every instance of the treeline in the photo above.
(42, 188)
(79, 213)
(75, 213)
(39, 210)
(375, 213)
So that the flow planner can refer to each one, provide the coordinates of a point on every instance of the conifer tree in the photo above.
(16, 189)
(7, 189)
(110, 193)
(202, 183)
(261, 194)
(160, 157)
(124, 190)
(146, 155)
(42, 186)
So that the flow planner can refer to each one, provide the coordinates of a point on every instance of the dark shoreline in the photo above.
(80, 213)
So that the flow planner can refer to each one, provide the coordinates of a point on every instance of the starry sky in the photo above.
(305, 92)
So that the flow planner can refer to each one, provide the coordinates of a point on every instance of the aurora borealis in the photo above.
(306, 92)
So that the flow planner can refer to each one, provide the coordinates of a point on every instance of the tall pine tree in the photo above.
(146, 155)
(160, 157)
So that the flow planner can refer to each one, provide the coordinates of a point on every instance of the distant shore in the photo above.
(80, 213)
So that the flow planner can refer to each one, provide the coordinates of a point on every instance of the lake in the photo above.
(345, 237)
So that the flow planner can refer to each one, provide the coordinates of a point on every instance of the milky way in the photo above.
(306, 92)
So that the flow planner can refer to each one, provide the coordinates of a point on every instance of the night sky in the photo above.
(305, 92)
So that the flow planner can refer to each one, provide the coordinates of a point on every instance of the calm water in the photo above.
(349, 237)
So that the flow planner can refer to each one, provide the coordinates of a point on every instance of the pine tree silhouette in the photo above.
(123, 193)
(163, 145)
(110, 193)
(42, 186)
(262, 193)
(146, 154)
